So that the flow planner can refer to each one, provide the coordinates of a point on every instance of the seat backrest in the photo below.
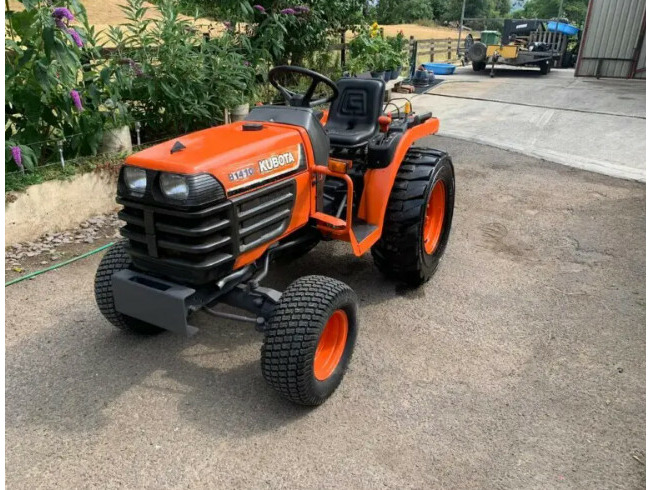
(358, 106)
(296, 116)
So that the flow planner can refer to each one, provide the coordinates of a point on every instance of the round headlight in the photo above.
(174, 186)
(135, 179)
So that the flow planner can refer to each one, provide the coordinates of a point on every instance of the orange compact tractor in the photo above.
(207, 212)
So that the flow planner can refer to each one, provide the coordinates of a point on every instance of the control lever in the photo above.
(384, 123)
(419, 119)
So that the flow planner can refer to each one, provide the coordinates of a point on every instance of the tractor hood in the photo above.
(238, 154)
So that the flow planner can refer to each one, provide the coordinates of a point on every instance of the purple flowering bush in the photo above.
(57, 86)
(293, 32)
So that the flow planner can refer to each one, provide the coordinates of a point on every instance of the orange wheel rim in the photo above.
(434, 217)
(331, 345)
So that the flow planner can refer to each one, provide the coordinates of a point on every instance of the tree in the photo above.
(283, 31)
(403, 11)
(502, 7)
(473, 8)
(574, 10)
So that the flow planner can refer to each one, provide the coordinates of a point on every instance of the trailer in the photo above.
(524, 42)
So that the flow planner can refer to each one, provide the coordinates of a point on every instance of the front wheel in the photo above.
(309, 339)
(418, 218)
(116, 259)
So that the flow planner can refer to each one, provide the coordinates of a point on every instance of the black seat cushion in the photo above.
(354, 114)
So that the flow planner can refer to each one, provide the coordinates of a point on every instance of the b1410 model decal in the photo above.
(241, 174)
(267, 167)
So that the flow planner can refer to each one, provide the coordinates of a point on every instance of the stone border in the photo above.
(58, 205)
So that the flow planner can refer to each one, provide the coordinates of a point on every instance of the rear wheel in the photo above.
(478, 65)
(418, 218)
(116, 259)
(309, 339)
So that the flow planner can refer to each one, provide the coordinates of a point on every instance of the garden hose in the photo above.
(60, 264)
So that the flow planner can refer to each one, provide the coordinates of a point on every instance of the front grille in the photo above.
(263, 215)
(201, 244)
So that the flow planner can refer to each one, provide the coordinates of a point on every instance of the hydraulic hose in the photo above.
(60, 264)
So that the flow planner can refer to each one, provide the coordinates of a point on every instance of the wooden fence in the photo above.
(420, 50)
(429, 50)
(447, 50)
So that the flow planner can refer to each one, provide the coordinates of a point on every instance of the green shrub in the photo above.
(369, 51)
(174, 78)
(286, 33)
(56, 87)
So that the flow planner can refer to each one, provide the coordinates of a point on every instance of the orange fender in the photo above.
(378, 183)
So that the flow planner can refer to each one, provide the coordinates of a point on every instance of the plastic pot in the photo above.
(239, 112)
(116, 140)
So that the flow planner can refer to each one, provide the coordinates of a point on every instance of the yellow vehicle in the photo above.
(516, 47)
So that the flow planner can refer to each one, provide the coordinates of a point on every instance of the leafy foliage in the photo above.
(403, 11)
(171, 76)
(574, 10)
(55, 85)
(369, 51)
(285, 33)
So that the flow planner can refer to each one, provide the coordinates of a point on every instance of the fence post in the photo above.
(381, 32)
(449, 49)
(414, 58)
(432, 51)
(343, 49)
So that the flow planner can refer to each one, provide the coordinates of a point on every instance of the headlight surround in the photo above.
(135, 179)
(174, 186)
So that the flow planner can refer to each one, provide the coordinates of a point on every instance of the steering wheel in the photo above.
(302, 100)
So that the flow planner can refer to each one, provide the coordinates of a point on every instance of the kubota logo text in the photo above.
(276, 161)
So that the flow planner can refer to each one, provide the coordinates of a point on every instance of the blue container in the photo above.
(440, 68)
(567, 29)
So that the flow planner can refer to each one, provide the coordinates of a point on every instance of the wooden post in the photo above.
(381, 32)
(448, 48)
(343, 49)
(432, 50)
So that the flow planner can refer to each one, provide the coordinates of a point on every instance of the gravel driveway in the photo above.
(520, 365)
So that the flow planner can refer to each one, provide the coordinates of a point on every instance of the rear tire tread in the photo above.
(397, 253)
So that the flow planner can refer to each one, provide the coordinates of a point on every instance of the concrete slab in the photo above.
(596, 125)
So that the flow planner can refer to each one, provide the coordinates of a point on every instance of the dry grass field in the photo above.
(104, 13)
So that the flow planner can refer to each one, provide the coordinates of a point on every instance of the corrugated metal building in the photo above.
(613, 40)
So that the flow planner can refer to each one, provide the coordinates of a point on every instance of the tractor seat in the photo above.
(354, 114)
